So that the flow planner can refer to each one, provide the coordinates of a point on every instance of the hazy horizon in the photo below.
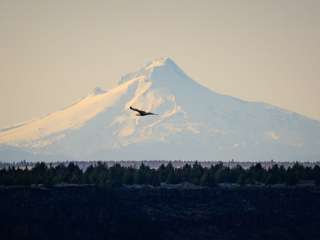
(55, 53)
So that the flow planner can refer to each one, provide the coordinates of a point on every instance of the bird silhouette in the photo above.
(141, 112)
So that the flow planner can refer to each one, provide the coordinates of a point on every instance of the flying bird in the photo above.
(141, 112)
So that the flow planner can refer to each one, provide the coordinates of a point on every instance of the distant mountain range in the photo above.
(194, 123)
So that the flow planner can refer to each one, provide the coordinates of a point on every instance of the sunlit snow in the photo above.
(193, 123)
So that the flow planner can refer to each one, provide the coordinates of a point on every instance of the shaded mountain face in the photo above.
(194, 123)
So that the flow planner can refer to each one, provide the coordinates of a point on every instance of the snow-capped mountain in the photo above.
(194, 123)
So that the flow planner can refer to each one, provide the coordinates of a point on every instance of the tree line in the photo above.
(117, 175)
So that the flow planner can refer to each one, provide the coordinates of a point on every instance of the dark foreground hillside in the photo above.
(158, 213)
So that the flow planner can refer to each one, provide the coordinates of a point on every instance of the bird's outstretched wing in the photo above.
(137, 110)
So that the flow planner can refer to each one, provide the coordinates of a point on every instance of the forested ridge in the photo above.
(118, 202)
(115, 176)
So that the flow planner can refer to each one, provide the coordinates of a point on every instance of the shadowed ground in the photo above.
(88, 212)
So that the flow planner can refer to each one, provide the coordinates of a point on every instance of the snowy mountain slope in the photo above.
(193, 123)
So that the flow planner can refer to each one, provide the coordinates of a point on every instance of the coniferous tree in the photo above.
(170, 173)
(162, 172)
(115, 175)
(316, 175)
(291, 176)
(205, 179)
(196, 173)
(186, 173)
(129, 176)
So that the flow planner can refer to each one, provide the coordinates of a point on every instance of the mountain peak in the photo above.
(162, 64)
(159, 62)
